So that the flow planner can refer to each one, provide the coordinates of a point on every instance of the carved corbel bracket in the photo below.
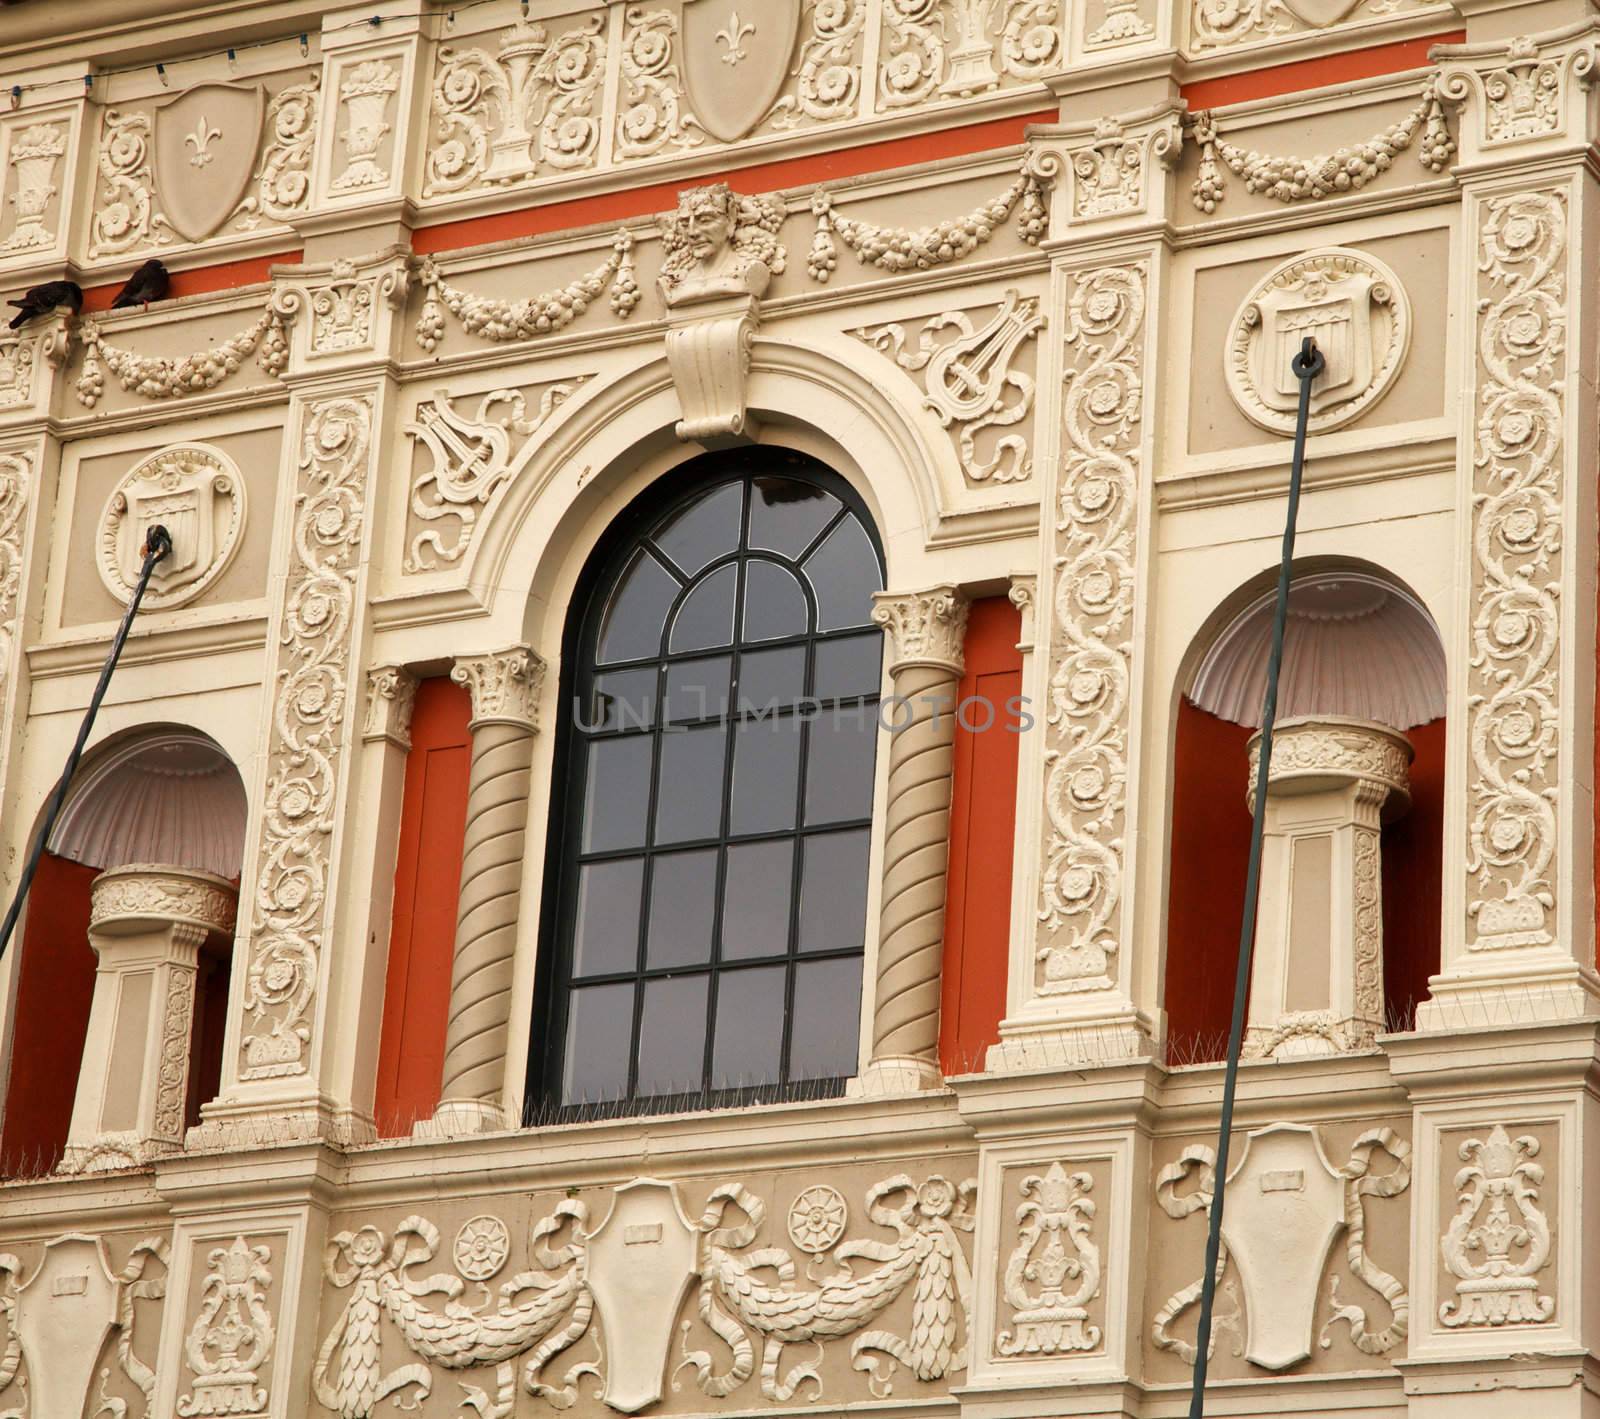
(1113, 170)
(27, 358)
(351, 306)
(708, 352)
(1521, 98)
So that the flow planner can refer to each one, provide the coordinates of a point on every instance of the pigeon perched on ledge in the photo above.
(148, 283)
(41, 300)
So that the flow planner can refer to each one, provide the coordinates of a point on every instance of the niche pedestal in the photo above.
(1316, 985)
(147, 924)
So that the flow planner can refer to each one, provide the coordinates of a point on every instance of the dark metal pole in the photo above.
(1306, 366)
(157, 544)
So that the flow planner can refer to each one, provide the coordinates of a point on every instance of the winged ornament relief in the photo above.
(633, 1273)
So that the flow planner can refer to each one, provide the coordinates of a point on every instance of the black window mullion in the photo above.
(726, 821)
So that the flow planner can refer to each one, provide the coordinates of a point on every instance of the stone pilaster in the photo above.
(289, 988)
(505, 687)
(926, 631)
(370, 129)
(1071, 994)
(1519, 935)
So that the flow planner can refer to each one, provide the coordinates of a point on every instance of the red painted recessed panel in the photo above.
(427, 882)
(977, 932)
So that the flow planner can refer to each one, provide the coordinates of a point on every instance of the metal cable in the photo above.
(157, 544)
(1306, 366)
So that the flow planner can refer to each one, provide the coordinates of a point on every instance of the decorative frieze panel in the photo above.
(216, 160)
(309, 733)
(231, 1339)
(1286, 1207)
(16, 487)
(1515, 696)
(530, 105)
(470, 460)
(970, 367)
(933, 49)
(647, 1274)
(1091, 647)
(1497, 1247)
(1053, 1272)
(1229, 24)
(71, 1328)
(367, 92)
(526, 100)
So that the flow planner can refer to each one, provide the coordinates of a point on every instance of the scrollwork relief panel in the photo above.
(1515, 698)
(1092, 520)
(16, 488)
(1228, 24)
(78, 1330)
(134, 195)
(311, 727)
(1311, 1275)
(1051, 1293)
(469, 455)
(976, 371)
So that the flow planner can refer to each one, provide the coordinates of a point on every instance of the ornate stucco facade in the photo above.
(454, 285)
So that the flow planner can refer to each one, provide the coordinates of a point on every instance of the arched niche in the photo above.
(1359, 646)
(159, 794)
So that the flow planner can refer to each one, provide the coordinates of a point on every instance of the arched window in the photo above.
(706, 907)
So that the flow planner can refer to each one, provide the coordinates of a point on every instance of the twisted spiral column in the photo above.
(505, 688)
(927, 629)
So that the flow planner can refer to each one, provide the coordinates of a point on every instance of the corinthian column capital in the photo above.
(504, 685)
(927, 627)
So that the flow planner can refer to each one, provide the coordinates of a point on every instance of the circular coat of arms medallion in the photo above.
(1359, 315)
(196, 493)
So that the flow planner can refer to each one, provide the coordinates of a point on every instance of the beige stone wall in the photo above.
(1052, 366)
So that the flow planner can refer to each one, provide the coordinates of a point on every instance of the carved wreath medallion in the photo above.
(197, 494)
(1359, 315)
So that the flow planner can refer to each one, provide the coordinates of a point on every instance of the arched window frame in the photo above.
(601, 573)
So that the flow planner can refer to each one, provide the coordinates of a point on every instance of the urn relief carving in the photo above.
(365, 93)
(33, 156)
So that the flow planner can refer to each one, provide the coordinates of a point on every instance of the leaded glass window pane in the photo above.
(712, 821)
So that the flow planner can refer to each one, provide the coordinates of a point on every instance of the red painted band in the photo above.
(1319, 73)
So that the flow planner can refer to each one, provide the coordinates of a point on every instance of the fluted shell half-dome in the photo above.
(1355, 646)
(172, 797)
